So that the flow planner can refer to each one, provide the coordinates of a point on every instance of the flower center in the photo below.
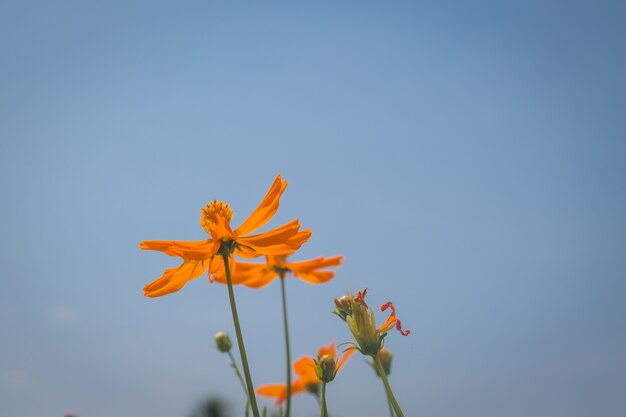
(211, 212)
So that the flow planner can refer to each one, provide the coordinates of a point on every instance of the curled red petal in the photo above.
(399, 328)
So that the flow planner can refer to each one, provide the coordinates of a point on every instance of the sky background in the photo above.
(467, 158)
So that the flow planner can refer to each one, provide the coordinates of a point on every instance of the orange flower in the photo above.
(256, 275)
(305, 369)
(200, 256)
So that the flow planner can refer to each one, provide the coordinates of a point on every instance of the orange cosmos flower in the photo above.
(256, 275)
(306, 370)
(200, 256)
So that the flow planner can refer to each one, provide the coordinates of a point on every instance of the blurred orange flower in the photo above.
(305, 369)
(255, 275)
(200, 256)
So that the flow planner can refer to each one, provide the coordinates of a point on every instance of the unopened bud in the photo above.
(343, 307)
(222, 341)
(385, 356)
(326, 368)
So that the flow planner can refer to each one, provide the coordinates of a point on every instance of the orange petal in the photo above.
(273, 237)
(315, 277)
(391, 320)
(261, 280)
(287, 248)
(312, 264)
(195, 251)
(266, 209)
(217, 272)
(304, 367)
(278, 391)
(174, 279)
(327, 350)
(346, 355)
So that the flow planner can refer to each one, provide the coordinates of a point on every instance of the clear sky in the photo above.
(467, 158)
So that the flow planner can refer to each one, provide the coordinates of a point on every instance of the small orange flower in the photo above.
(200, 256)
(256, 275)
(305, 369)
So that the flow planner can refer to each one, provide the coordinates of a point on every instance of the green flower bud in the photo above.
(326, 368)
(222, 341)
(363, 327)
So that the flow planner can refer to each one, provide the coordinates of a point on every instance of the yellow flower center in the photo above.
(211, 211)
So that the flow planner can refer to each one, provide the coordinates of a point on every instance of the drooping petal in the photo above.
(315, 277)
(190, 250)
(174, 279)
(266, 209)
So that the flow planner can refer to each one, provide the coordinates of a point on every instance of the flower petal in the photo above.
(174, 279)
(312, 264)
(266, 209)
(327, 350)
(278, 391)
(304, 367)
(193, 250)
(346, 355)
(273, 237)
(259, 281)
(315, 277)
(286, 248)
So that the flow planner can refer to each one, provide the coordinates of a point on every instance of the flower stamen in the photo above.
(211, 212)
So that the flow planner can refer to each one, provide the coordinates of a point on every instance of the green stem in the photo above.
(390, 396)
(242, 348)
(236, 368)
(287, 348)
(324, 410)
(389, 405)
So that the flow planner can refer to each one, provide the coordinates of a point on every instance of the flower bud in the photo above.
(343, 307)
(362, 325)
(385, 356)
(326, 368)
(222, 341)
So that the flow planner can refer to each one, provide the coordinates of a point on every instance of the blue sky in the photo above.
(468, 159)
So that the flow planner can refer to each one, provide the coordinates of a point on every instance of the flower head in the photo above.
(362, 323)
(223, 342)
(257, 275)
(308, 379)
(206, 255)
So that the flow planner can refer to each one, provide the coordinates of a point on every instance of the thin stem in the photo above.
(390, 395)
(324, 410)
(236, 368)
(242, 348)
(287, 348)
(391, 414)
